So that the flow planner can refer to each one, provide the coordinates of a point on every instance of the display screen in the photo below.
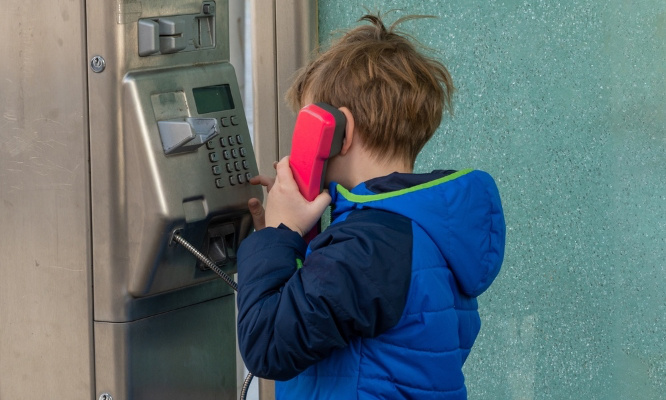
(213, 99)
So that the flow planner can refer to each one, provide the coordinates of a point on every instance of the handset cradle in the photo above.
(318, 135)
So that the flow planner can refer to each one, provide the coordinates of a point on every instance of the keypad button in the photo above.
(245, 165)
(237, 166)
(239, 139)
(210, 145)
(225, 121)
(217, 170)
(226, 154)
(241, 179)
(232, 141)
(234, 153)
(248, 176)
(229, 169)
(219, 183)
(223, 141)
(213, 157)
(242, 152)
(232, 180)
(234, 120)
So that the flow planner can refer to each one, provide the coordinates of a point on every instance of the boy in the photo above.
(382, 304)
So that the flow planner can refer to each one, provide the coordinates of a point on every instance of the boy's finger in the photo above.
(322, 201)
(258, 213)
(263, 180)
(284, 174)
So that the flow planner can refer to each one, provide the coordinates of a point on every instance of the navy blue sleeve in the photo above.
(353, 283)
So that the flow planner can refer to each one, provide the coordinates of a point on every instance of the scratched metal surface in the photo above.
(563, 103)
(44, 216)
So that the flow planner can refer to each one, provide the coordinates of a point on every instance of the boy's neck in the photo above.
(359, 166)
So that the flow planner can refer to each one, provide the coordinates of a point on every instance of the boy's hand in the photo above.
(286, 205)
(256, 209)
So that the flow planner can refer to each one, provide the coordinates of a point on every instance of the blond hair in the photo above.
(396, 94)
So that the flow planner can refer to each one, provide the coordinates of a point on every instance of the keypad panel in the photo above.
(227, 155)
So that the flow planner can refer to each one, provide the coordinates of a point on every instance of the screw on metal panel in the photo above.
(209, 8)
(105, 396)
(97, 64)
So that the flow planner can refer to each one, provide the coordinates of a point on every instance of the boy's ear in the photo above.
(349, 130)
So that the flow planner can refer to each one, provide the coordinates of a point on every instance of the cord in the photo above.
(209, 263)
(229, 281)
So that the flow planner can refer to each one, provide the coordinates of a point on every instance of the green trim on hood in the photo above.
(365, 198)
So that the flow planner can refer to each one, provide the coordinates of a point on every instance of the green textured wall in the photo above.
(564, 103)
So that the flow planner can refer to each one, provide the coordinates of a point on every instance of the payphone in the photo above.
(144, 138)
(182, 158)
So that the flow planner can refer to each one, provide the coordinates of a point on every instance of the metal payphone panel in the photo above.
(158, 153)
(196, 185)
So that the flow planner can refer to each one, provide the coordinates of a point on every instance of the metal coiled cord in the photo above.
(209, 263)
(229, 281)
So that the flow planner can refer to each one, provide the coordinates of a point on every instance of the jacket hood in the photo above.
(461, 212)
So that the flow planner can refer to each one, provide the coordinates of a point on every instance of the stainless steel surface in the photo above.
(45, 246)
(284, 36)
(188, 353)
(296, 39)
(264, 89)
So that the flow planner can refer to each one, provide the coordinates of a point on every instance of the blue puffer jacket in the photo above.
(382, 305)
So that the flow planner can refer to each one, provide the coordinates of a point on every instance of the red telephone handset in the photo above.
(318, 135)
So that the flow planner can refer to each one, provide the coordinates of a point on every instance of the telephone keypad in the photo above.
(229, 149)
